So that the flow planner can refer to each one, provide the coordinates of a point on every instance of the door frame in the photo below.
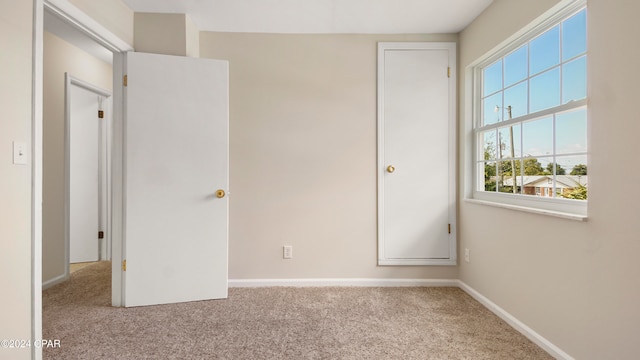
(104, 169)
(87, 25)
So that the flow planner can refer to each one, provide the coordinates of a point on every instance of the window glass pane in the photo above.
(545, 50)
(537, 182)
(516, 97)
(489, 145)
(515, 66)
(533, 166)
(574, 80)
(572, 180)
(509, 135)
(555, 169)
(538, 186)
(574, 35)
(575, 165)
(537, 137)
(489, 170)
(505, 176)
(572, 165)
(492, 78)
(571, 132)
(545, 90)
(490, 116)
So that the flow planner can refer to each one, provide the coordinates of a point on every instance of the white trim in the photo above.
(86, 24)
(353, 282)
(36, 176)
(87, 86)
(518, 325)
(117, 181)
(560, 109)
(575, 208)
(563, 215)
(540, 24)
(55, 281)
(418, 262)
(105, 178)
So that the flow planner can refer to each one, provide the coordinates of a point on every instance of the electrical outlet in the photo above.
(466, 255)
(287, 252)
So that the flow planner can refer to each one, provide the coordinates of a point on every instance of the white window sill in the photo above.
(564, 215)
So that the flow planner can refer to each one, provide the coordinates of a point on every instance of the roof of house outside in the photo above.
(546, 181)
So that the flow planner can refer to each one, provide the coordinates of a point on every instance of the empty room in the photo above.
(319, 179)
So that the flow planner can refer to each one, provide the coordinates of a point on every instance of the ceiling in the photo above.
(322, 16)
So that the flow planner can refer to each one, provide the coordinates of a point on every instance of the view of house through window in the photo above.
(531, 129)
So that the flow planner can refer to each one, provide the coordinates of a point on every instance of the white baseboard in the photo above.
(56, 280)
(238, 283)
(536, 338)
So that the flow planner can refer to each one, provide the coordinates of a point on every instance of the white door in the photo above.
(176, 179)
(83, 171)
(416, 158)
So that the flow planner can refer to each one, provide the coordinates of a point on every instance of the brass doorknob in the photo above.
(220, 194)
(391, 169)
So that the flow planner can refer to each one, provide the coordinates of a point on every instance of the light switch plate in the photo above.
(19, 153)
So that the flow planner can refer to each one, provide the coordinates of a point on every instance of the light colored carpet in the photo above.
(77, 266)
(278, 323)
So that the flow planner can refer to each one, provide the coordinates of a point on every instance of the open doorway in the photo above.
(117, 47)
(87, 124)
(77, 84)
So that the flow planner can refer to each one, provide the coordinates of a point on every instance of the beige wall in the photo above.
(192, 38)
(15, 180)
(170, 34)
(574, 283)
(114, 15)
(60, 57)
(303, 155)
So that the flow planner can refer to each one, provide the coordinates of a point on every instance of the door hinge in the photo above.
(449, 228)
(100, 114)
(100, 234)
(124, 265)
(124, 80)
(449, 72)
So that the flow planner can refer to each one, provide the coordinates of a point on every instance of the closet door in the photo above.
(416, 154)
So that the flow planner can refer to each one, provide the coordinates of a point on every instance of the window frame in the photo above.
(567, 208)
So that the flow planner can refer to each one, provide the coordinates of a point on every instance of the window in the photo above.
(530, 119)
